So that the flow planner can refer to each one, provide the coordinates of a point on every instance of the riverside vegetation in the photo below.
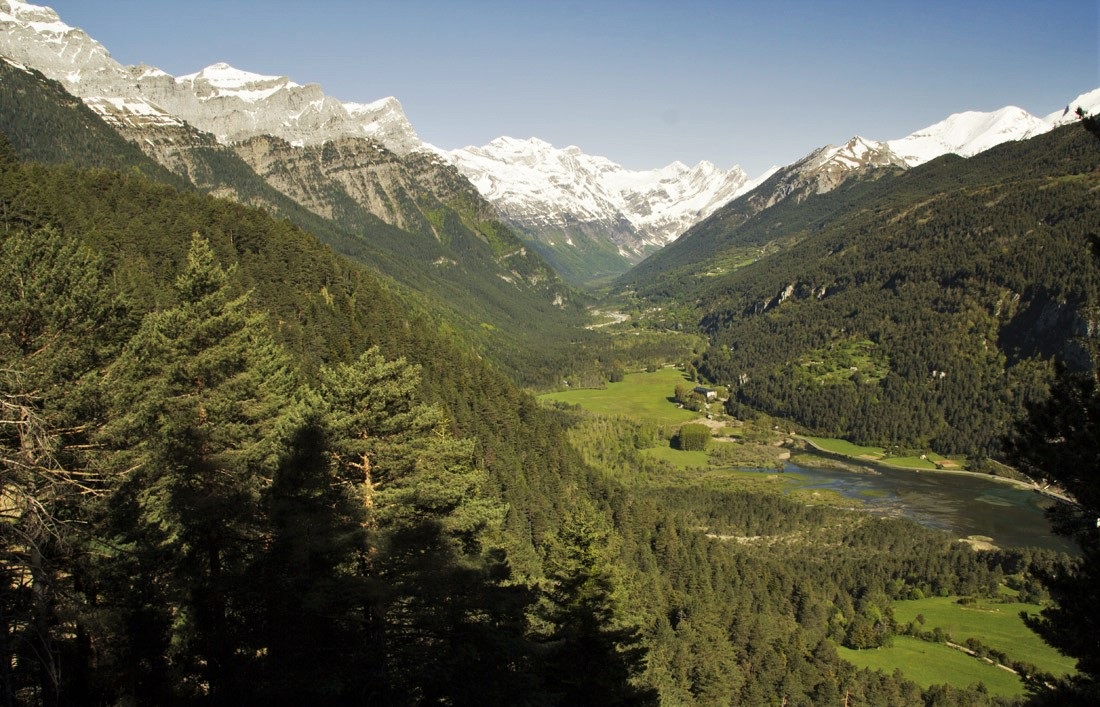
(238, 466)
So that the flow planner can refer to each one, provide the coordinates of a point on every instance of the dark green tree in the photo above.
(203, 400)
(442, 622)
(317, 596)
(693, 437)
(593, 653)
(1059, 441)
(59, 324)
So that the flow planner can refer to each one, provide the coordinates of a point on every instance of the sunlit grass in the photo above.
(678, 458)
(843, 446)
(929, 664)
(645, 397)
(998, 626)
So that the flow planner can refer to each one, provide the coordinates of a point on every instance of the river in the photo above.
(963, 504)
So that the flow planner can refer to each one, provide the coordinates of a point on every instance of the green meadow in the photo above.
(645, 397)
(998, 626)
(935, 664)
(880, 455)
(679, 458)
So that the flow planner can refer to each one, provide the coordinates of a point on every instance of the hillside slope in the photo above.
(453, 257)
(919, 308)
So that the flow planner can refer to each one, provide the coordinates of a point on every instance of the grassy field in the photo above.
(935, 664)
(909, 462)
(642, 396)
(678, 458)
(996, 625)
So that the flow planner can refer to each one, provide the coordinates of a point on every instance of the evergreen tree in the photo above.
(593, 655)
(447, 628)
(202, 397)
(317, 597)
(59, 324)
(1060, 441)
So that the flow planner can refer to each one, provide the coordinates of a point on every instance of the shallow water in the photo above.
(962, 504)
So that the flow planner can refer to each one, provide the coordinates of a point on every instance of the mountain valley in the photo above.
(297, 407)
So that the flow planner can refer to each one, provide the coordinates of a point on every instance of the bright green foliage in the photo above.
(202, 397)
(693, 437)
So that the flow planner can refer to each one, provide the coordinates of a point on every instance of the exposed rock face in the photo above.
(236, 105)
(231, 104)
(325, 178)
(823, 170)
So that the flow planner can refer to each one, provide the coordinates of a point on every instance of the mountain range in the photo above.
(589, 217)
(342, 171)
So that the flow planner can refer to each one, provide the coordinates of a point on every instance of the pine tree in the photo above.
(203, 399)
(59, 324)
(593, 654)
(1059, 441)
(318, 623)
(445, 626)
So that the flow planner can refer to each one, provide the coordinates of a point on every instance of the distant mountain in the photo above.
(820, 172)
(592, 218)
(967, 134)
(588, 215)
(722, 243)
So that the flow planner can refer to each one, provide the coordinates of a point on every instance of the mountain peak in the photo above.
(1088, 102)
(968, 133)
(389, 103)
(231, 103)
(45, 17)
(224, 81)
(539, 186)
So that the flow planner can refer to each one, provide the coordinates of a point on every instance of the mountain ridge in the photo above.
(589, 217)
(476, 272)
(561, 195)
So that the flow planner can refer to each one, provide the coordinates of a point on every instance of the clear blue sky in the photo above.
(642, 83)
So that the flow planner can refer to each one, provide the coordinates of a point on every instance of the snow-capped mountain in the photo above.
(1088, 102)
(551, 190)
(231, 104)
(825, 168)
(967, 134)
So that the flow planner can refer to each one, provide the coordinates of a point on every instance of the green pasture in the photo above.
(998, 626)
(909, 462)
(678, 458)
(935, 664)
(645, 397)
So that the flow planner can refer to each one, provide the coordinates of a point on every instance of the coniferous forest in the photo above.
(240, 464)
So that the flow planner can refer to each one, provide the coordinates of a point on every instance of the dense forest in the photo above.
(237, 465)
(920, 309)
